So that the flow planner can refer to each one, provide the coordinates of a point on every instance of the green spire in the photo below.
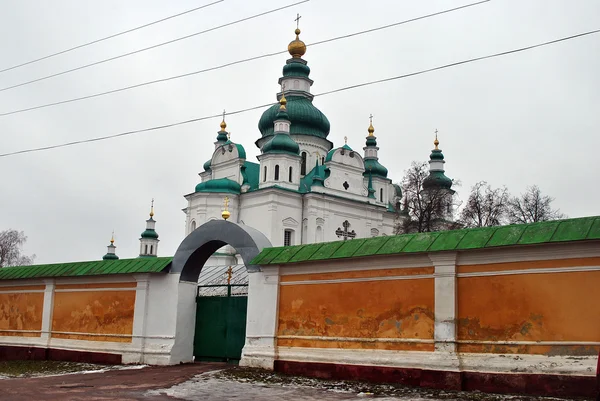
(370, 187)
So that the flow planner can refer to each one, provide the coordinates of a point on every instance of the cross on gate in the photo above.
(345, 233)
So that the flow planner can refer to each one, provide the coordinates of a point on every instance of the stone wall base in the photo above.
(12, 353)
(506, 383)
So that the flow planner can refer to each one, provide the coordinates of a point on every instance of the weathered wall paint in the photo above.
(343, 314)
(21, 311)
(530, 307)
(93, 313)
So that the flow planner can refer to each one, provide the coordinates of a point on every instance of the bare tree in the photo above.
(424, 210)
(11, 242)
(532, 207)
(485, 207)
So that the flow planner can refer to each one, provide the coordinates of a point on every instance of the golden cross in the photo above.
(229, 274)
(226, 202)
(297, 21)
(371, 118)
(223, 114)
(346, 140)
(436, 131)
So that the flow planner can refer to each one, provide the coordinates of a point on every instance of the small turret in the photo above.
(110, 252)
(372, 165)
(149, 238)
(437, 179)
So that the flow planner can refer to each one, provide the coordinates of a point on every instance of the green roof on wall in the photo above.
(93, 268)
(579, 229)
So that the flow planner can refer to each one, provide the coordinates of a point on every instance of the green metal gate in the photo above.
(220, 325)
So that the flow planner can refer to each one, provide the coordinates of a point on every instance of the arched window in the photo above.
(381, 195)
(303, 165)
(296, 84)
(322, 160)
(290, 178)
(193, 225)
(146, 250)
(277, 172)
(151, 249)
(265, 176)
(319, 234)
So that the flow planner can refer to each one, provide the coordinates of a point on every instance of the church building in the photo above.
(303, 189)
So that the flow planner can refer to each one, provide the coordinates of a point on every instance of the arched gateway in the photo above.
(204, 328)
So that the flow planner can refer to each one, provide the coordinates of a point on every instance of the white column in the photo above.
(140, 317)
(47, 310)
(261, 323)
(445, 301)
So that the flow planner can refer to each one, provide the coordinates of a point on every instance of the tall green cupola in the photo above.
(437, 179)
(222, 136)
(281, 142)
(110, 252)
(149, 238)
(304, 117)
(372, 165)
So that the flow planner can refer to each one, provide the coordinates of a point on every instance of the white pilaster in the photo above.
(140, 317)
(261, 323)
(47, 310)
(445, 301)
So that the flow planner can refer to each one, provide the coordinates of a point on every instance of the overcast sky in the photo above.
(527, 118)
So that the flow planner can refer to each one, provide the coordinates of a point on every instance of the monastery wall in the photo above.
(519, 319)
(108, 319)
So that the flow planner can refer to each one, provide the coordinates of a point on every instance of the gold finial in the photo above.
(152, 208)
(229, 274)
(345, 140)
(371, 129)
(283, 100)
(225, 213)
(223, 124)
(112, 238)
(297, 48)
(436, 142)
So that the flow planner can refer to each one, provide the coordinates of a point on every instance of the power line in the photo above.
(159, 127)
(236, 62)
(151, 47)
(110, 36)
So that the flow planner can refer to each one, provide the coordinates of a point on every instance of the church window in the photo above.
(296, 84)
(380, 194)
(265, 176)
(346, 185)
(277, 172)
(322, 160)
(193, 225)
(374, 232)
(151, 249)
(146, 250)
(319, 234)
(303, 165)
(287, 237)
(290, 178)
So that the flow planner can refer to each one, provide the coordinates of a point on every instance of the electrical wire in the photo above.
(218, 67)
(127, 133)
(111, 36)
(150, 47)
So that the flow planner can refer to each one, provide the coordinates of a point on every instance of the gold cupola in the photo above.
(297, 48)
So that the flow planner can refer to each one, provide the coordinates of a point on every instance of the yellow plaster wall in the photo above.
(342, 314)
(557, 307)
(21, 311)
(94, 313)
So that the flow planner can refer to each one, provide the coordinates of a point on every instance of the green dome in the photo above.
(332, 151)
(375, 168)
(281, 143)
(219, 185)
(305, 118)
(437, 179)
(110, 256)
(436, 154)
(207, 165)
(398, 189)
(296, 69)
(371, 141)
(149, 233)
